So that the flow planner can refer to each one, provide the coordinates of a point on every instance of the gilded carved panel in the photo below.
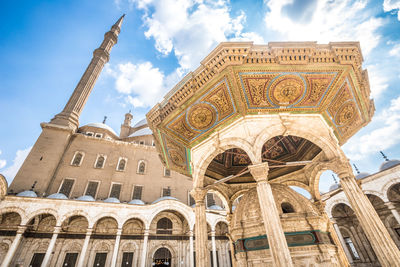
(263, 90)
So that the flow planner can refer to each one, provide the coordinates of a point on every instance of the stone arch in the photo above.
(4, 247)
(99, 246)
(3, 187)
(128, 246)
(391, 224)
(113, 215)
(184, 210)
(75, 213)
(174, 255)
(18, 210)
(75, 224)
(300, 128)
(106, 225)
(129, 221)
(315, 174)
(387, 187)
(200, 168)
(331, 205)
(224, 198)
(179, 223)
(219, 221)
(375, 193)
(43, 211)
(10, 220)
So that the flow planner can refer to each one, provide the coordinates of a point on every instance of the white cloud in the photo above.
(3, 162)
(384, 136)
(142, 84)
(395, 51)
(389, 5)
(377, 79)
(191, 28)
(342, 20)
(12, 170)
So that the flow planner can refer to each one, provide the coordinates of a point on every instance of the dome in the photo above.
(140, 123)
(362, 175)
(101, 126)
(388, 164)
(215, 207)
(27, 193)
(57, 196)
(112, 200)
(334, 187)
(136, 202)
(141, 132)
(85, 198)
(164, 198)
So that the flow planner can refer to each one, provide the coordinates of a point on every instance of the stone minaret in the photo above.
(72, 110)
(49, 151)
(126, 126)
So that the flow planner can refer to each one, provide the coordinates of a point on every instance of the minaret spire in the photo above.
(70, 115)
(357, 170)
(384, 156)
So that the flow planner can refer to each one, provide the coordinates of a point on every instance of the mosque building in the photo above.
(206, 178)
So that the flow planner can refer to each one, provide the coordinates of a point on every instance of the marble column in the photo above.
(385, 249)
(85, 246)
(14, 246)
(200, 227)
(144, 249)
(395, 213)
(116, 248)
(276, 238)
(214, 249)
(50, 248)
(341, 239)
(191, 259)
(231, 241)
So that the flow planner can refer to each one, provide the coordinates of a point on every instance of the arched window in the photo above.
(287, 208)
(100, 162)
(121, 164)
(164, 226)
(141, 167)
(77, 159)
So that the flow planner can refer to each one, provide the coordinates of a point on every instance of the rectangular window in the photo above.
(191, 199)
(141, 142)
(127, 259)
(89, 134)
(137, 192)
(210, 199)
(167, 172)
(352, 248)
(70, 259)
(166, 192)
(66, 187)
(91, 189)
(98, 135)
(115, 190)
(37, 260)
(100, 260)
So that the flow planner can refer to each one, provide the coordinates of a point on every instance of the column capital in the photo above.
(89, 231)
(198, 194)
(21, 229)
(191, 233)
(213, 233)
(57, 229)
(259, 171)
(146, 232)
(119, 231)
(333, 220)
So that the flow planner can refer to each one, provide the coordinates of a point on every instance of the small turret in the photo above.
(126, 126)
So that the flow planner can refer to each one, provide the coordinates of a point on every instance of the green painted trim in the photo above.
(162, 147)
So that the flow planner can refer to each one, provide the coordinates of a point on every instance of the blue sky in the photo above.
(46, 46)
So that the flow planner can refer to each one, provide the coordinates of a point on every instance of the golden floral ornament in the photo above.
(201, 116)
(286, 90)
(346, 113)
(176, 157)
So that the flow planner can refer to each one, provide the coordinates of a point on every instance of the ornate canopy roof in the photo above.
(238, 79)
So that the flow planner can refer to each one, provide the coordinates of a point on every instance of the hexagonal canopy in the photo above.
(242, 79)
